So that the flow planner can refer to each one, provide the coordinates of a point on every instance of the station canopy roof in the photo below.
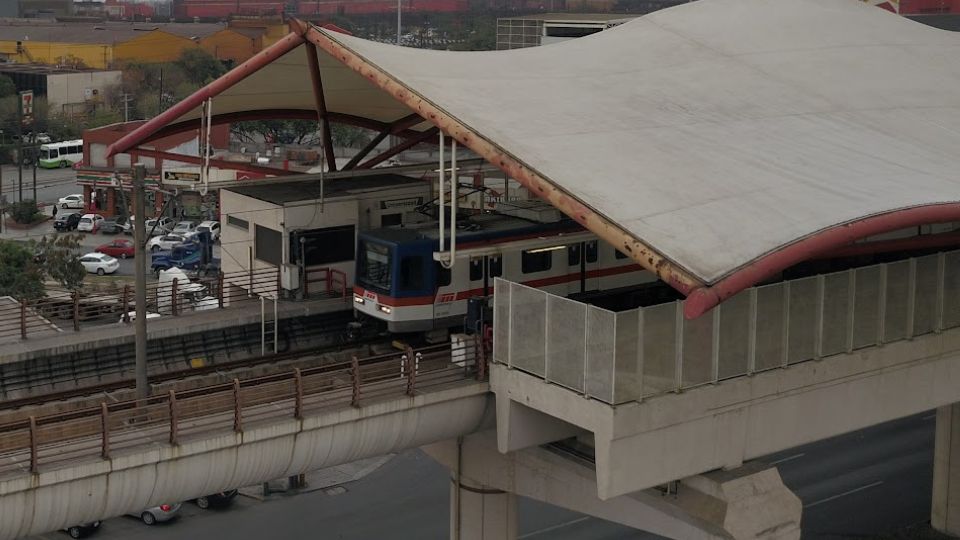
(721, 139)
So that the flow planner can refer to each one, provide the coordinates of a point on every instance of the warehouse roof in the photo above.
(100, 32)
(716, 142)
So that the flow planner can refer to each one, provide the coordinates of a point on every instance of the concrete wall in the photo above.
(34, 504)
(68, 88)
(648, 443)
(235, 242)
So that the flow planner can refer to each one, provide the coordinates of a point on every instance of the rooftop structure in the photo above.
(719, 148)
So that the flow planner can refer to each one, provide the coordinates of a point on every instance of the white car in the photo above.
(166, 241)
(212, 227)
(98, 263)
(71, 201)
(133, 316)
(184, 228)
(159, 226)
(89, 222)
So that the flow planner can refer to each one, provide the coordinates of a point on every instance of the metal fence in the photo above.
(617, 357)
(49, 441)
(61, 309)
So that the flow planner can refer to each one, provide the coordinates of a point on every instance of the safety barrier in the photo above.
(57, 308)
(50, 441)
(617, 357)
(327, 281)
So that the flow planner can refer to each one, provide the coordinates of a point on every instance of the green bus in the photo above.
(60, 154)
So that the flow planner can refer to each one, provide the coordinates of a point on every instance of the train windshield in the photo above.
(373, 268)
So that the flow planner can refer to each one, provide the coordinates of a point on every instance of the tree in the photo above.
(199, 66)
(300, 132)
(19, 275)
(60, 261)
(7, 88)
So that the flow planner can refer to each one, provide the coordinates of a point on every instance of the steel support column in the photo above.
(321, 100)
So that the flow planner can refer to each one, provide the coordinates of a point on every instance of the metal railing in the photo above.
(55, 440)
(327, 281)
(59, 308)
(617, 357)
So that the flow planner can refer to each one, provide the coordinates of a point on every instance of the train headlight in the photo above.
(358, 299)
(385, 309)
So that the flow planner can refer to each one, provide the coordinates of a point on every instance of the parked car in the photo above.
(120, 247)
(212, 227)
(159, 226)
(79, 531)
(164, 242)
(133, 316)
(98, 263)
(90, 223)
(221, 499)
(184, 227)
(71, 201)
(67, 221)
(115, 225)
(164, 512)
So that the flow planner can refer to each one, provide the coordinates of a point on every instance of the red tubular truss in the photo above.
(703, 299)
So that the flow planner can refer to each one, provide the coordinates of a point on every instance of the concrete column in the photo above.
(945, 512)
(482, 513)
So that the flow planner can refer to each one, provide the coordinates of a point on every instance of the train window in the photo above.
(536, 261)
(620, 254)
(373, 266)
(573, 255)
(476, 269)
(411, 273)
(591, 249)
(494, 267)
(443, 276)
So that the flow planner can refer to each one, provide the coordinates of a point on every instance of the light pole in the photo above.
(398, 22)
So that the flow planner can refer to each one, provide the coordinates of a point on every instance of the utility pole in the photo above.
(126, 101)
(140, 270)
(25, 117)
(160, 102)
(34, 156)
(398, 22)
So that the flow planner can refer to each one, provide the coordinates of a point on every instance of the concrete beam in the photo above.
(749, 503)
(640, 445)
(139, 478)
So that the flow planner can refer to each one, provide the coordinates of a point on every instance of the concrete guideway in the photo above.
(215, 451)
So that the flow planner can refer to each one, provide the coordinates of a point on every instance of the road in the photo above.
(51, 183)
(863, 483)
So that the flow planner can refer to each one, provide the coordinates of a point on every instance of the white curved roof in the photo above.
(715, 132)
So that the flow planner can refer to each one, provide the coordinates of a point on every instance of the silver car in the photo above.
(164, 512)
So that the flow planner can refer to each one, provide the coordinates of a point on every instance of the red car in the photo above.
(120, 248)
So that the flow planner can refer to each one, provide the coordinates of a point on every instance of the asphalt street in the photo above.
(51, 183)
(856, 485)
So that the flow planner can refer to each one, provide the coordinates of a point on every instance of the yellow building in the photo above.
(100, 45)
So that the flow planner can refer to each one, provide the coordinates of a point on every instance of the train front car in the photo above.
(396, 278)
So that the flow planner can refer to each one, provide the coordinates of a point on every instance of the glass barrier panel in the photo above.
(925, 302)
(769, 351)
(628, 377)
(803, 320)
(836, 301)
(601, 345)
(697, 363)
(865, 305)
(734, 335)
(659, 349)
(527, 329)
(566, 342)
(501, 320)
(951, 290)
(895, 320)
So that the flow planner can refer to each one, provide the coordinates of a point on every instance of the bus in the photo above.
(60, 154)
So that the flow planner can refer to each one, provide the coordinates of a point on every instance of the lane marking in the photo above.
(844, 494)
(788, 458)
(553, 528)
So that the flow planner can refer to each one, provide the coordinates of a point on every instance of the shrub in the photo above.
(25, 211)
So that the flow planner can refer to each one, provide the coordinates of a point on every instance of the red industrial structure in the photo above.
(184, 9)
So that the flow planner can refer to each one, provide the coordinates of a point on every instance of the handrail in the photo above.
(103, 430)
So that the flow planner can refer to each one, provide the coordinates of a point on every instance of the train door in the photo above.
(446, 292)
(583, 261)
(492, 268)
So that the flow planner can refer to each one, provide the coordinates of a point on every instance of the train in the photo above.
(398, 282)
